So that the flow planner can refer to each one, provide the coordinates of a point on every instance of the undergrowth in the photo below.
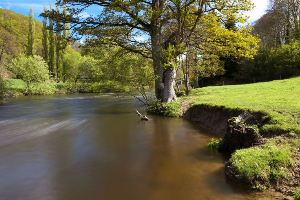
(165, 109)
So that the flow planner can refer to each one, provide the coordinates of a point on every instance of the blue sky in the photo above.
(23, 7)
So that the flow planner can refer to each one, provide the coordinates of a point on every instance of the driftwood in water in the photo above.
(143, 117)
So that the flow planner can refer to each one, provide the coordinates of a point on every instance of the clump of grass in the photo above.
(165, 109)
(215, 144)
(263, 165)
(297, 194)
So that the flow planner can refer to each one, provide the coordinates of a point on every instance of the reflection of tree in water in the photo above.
(165, 174)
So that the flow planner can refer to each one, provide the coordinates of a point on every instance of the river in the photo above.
(95, 147)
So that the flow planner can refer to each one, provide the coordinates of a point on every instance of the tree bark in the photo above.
(156, 41)
(169, 84)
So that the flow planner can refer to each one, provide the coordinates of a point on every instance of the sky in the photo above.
(23, 7)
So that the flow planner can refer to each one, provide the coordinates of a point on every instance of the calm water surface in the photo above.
(95, 147)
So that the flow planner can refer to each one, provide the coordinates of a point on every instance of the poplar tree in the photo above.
(31, 33)
(45, 38)
(58, 49)
(51, 44)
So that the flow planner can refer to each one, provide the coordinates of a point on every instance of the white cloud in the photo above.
(259, 10)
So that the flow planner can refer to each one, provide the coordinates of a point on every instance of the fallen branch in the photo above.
(143, 117)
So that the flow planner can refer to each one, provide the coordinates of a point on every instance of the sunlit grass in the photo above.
(279, 99)
(261, 165)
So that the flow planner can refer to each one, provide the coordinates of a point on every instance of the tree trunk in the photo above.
(169, 84)
(157, 62)
(196, 81)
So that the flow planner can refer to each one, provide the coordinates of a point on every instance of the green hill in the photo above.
(15, 27)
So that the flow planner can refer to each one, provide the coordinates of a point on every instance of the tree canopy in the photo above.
(163, 24)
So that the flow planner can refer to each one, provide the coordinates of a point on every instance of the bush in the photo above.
(2, 88)
(166, 109)
(31, 69)
(215, 144)
(48, 87)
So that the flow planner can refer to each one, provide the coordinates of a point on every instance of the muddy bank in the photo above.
(216, 117)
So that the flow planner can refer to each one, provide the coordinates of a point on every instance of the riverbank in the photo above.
(275, 107)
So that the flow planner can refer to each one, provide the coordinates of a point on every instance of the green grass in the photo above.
(268, 164)
(279, 99)
(15, 86)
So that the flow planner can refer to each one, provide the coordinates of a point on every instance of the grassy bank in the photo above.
(278, 99)
(17, 87)
(274, 164)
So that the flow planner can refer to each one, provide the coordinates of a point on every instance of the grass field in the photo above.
(279, 99)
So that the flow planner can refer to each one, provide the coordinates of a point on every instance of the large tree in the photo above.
(169, 25)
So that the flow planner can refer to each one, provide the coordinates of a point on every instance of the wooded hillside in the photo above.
(13, 34)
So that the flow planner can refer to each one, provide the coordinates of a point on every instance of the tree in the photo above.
(7, 46)
(51, 63)
(169, 25)
(31, 69)
(45, 39)
(31, 34)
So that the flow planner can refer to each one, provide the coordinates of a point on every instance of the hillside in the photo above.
(15, 28)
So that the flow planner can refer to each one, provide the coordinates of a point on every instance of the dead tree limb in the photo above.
(143, 117)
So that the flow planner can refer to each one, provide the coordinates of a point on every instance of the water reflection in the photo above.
(95, 147)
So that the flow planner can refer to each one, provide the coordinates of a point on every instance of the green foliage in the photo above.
(166, 109)
(2, 88)
(215, 144)
(15, 86)
(169, 57)
(31, 34)
(42, 88)
(18, 27)
(261, 165)
(278, 99)
(297, 194)
(32, 69)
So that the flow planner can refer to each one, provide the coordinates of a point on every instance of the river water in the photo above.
(95, 147)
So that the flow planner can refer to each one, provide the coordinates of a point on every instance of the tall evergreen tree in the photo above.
(51, 44)
(45, 38)
(31, 33)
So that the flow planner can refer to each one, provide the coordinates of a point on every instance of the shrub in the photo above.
(2, 88)
(215, 144)
(166, 109)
